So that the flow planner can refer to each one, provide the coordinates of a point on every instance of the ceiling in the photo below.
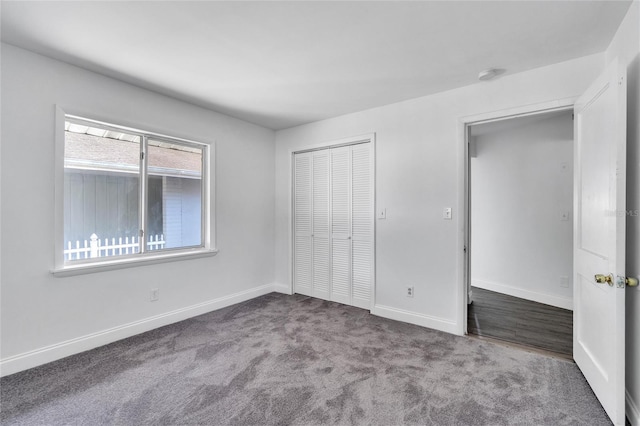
(282, 64)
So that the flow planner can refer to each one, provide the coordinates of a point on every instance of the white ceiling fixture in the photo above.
(489, 74)
(282, 64)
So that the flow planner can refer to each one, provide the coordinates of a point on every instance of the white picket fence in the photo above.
(96, 247)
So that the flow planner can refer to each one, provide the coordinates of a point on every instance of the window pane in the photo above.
(174, 205)
(101, 192)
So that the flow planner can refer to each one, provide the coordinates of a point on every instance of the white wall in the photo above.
(521, 183)
(417, 175)
(626, 47)
(417, 158)
(43, 317)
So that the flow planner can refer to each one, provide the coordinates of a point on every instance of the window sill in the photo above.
(130, 262)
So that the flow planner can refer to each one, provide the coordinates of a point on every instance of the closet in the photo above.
(333, 224)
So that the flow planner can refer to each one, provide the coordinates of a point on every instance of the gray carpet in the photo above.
(296, 360)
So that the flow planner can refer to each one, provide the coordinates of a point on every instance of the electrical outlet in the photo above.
(154, 295)
(409, 292)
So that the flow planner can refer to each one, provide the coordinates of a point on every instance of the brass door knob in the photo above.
(631, 282)
(601, 279)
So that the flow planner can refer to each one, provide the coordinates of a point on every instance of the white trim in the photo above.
(58, 189)
(282, 288)
(352, 140)
(131, 261)
(34, 358)
(374, 183)
(548, 299)
(290, 228)
(462, 295)
(521, 111)
(463, 122)
(632, 410)
(442, 324)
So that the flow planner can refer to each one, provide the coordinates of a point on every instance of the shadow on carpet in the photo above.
(295, 360)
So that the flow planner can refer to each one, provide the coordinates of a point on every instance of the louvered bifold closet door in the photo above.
(341, 225)
(362, 225)
(303, 224)
(321, 247)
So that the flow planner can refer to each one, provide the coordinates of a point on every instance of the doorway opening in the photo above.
(520, 230)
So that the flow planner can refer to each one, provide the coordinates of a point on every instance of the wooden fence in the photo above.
(96, 247)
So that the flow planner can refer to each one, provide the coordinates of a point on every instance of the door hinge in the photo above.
(142, 156)
(141, 233)
(465, 249)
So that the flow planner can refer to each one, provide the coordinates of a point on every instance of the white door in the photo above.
(599, 238)
(320, 236)
(341, 225)
(303, 223)
(362, 243)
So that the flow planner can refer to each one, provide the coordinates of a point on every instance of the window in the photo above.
(129, 196)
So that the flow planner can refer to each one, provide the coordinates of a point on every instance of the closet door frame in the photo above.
(356, 140)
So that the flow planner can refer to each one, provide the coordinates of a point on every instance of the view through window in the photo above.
(108, 171)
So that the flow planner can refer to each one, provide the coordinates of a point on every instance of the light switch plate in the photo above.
(446, 213)
(382, 213)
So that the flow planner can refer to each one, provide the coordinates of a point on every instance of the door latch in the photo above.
(629, 281)
(601, 279)
(621, 281)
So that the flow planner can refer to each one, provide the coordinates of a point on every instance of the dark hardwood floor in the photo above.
(521, 321)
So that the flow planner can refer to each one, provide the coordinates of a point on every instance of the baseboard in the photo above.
(632, 410)
(282, 288)
(34, 358)
(547, 299)
(436, 323)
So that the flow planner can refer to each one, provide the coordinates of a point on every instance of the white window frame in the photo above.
(84, 266)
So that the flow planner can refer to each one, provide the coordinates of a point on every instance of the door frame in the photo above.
(336, 143)
(464, 192)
